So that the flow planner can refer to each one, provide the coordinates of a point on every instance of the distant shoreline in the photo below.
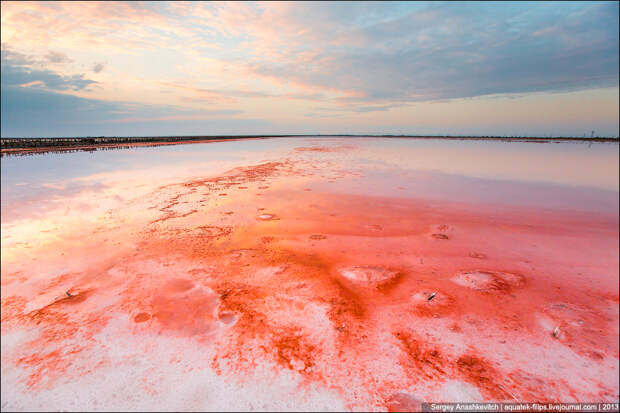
(16, 146)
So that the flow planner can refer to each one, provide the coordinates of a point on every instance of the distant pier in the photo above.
(11, 143)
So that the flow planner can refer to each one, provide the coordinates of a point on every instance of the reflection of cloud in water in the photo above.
(567, 163)
(43, 198)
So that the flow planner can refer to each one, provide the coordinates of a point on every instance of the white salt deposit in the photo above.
(476, 280)
(173, 375)
(456, 391)
(367, 275)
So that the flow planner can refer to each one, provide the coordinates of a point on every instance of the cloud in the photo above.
(447, 51)
(17, 71)
(374, 108)
(173, 114)
(363, 60)
(352, 54)
(57, 57)
(120, 27)
(36, 103)
(33, 112)
(38, 112)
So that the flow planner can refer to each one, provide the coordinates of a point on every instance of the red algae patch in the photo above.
(294, 351)
(184, 309)
(478, 255)
(422, 361)
(433, 304)
(481, 374)
(314, 149)
(403, 402)
(319, 148)
(142, 317)
(227, 318)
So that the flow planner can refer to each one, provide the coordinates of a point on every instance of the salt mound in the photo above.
(367, 275)
(488, 280)
(267, 217)
(476, 280)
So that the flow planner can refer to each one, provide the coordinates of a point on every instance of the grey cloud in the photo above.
(16, 71)
(39, 112)
(377, 108)
(57, 57)
(98, 67)
(446, 51)
(15, 58)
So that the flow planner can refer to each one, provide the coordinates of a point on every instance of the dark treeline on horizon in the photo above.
(17, 144)
(103, 138)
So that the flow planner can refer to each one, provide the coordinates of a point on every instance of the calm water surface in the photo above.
(310, 274)
(461, 170)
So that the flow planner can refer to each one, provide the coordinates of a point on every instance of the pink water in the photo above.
(310, 274)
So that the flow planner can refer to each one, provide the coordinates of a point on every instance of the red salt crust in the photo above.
(480, 373)
(314, 149)
(424, 362)
(183, 309)
(268, 277)
(403, 402)
(49, 356)
(338, 148)
(142, 317)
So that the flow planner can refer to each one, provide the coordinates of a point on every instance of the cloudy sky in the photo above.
(190, 68)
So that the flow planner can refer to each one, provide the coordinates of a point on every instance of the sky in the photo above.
(201, 68)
